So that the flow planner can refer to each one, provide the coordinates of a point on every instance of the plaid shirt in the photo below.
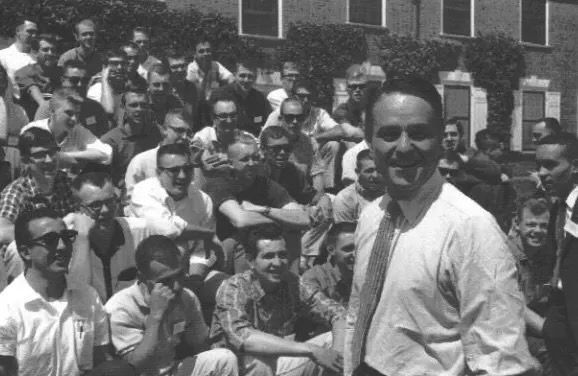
(23, 194)
(327, 279)
(243, 306)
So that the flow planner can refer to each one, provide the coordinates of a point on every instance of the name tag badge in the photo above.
(90, 120)
(258, 119)
(179, 327)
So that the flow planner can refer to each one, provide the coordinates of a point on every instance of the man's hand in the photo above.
(212, 161)
(160, 298)
(82, 223)
(327, 358)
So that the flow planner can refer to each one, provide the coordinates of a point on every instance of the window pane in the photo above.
(533, 104)
(260, 17)
(534, 21)
(457, 105)
(457, 17)
(365, 12)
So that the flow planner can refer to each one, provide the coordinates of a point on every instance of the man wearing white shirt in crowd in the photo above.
(289, 73)
(18, 55)
(141, 37)
(77, 144)
(206, 73)
(175, 129)
(349, 163)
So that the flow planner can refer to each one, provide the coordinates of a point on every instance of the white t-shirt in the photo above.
(12, 60)
(349, 161)
(142, 166)
(55, 338)
(276, 97)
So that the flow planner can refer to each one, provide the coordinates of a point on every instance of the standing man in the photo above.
(85, 35)
(434, 287)
(289, 73)
(545, 127)
(18, 54)
(252, 106)
(206, 73)
(141, 38)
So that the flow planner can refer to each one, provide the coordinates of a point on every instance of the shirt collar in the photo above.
(257, 291)
(412, 209)
(28, 294)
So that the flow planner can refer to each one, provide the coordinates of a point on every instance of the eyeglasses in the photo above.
(225, 116)
(354, 87)
(42, 154)
(451, 172)
(96, 206)
(176, 171)
(279, 148)
(291, 117)
(204, 51)
(303, 95)
(50, 240)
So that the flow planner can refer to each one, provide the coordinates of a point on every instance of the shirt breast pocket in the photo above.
(83, 331)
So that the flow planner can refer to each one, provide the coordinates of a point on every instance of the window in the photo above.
(533, 109)
(457, 105)
(260, 17)
(457, 17)
(534, 22)
(367, 12)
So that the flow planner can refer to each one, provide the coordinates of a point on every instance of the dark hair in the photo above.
(202, 40)
(247, 63)
(158, 68)
(220, 96)
(114, 52)
(288, 100)
(251, 236)
(274, 132)
(552, 124)
(140, 29)
(133, 88)
(339, 228)
(83, 22)
(568, 140)
(173, 53)
(288, 64)
(173, 149)
(365, 154)
(157, 248)
(49, 38)
(484, 137)
(21, 230)
(129, 44)
(415, 86)
(303, 84)
(35, 138)
(536, 205)
(455, 121)
(64, 95)
(97, 179)
(73, 64)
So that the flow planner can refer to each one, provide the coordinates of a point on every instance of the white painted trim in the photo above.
(279, 21)
(383, 14)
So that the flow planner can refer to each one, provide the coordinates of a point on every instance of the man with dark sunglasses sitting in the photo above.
(351, 114)
(46, 323)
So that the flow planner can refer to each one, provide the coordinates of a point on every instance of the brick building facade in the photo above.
(547, 29)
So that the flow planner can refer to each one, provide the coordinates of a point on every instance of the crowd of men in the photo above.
(159, 215)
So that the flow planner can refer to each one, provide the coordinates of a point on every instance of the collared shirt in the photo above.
(141, 167)
(168, 217)
(20, 195)
(93, 61)
(125, 145)
(12, 59)
(350, 202)
(328, 280)
(242, 306)
(349, 161)
(276, 97)
(78, 138)
(317, 122)
(450, 301)
(206, 82)
(129, 309)
(55, 337)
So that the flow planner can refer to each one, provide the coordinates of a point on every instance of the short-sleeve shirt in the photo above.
(263, 191)
(51, 337)
(129, 309)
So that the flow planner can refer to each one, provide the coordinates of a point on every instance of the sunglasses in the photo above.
(50, 240)
(448, 171)
(303, 95)
(278, 148)
(96, 206)
(354, 87)
(175, 171)
(229, 116)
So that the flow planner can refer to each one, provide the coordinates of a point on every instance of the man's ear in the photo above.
(24, 252)
(516, 223)
(330, 249)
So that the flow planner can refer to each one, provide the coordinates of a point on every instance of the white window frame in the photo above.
(547, 15)
(383, 14)
(472, 21)
(279, 22)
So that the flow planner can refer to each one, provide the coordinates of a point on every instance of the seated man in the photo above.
(78, 146)
(245, 198)
(42, 182)
(351, 114)
(161, 92)
(351, 200)
(104, 252)
(156, 317)
(256, 313)
(206, 73)
(48, 326)
(175, 129)
(289, 73)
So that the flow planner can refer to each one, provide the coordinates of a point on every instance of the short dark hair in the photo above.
(202, 40)
(455, 121)
(73, 64)
(247, 63)
(566, 139)
(410, 85)
(251, 236)
(552, 124)
(363, 155)
(274, 132)
(35, 138)
(129, 44)
(49, 38)
(114, 52)
(339, 228)
(536, 205)
(173, 149)
(140, 29)
(95, 178)
(303, 84)
(173, 53)
(133, 88)
(220, 96)
(21, 230)
(483, 138)
(157, 248)
(158, 68)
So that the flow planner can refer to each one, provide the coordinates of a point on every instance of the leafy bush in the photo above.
(497, 63)
(116, 18)
(324, 52)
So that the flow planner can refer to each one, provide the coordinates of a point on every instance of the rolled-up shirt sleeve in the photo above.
(318, 306)
(490, 302)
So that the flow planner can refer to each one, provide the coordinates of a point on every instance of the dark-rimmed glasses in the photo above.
(50, 240)
(175, 171)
